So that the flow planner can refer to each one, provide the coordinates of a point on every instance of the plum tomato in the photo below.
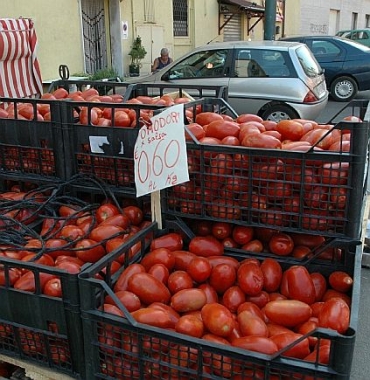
(272, 274)
(206, 246)
(158, 256)
(250, 278)
(89, 250)
(105, 211)
(281, 244)
(179, 280)
(242, 234)
(222, 277)
(188, 300)
(172, 241)
(135, 214)
(218, 319)
(221, 230)
(335, 315)
(199, 269)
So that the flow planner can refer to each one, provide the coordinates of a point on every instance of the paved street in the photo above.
(361, 358)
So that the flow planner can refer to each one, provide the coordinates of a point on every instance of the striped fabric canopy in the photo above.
(19, 68)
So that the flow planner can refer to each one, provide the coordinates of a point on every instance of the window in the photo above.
(354, 20)
(180, 18)
(367, 21)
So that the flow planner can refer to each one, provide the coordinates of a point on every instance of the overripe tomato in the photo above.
(250, 278)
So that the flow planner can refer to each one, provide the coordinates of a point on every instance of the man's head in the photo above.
(164, 53)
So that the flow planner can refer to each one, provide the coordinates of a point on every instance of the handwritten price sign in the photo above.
(160, 152)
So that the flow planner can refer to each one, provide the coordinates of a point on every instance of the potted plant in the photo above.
(137, 53)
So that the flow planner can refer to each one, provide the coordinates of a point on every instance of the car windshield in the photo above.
(308, 62)
(207, 63)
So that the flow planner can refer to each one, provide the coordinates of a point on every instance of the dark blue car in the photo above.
(346, 64)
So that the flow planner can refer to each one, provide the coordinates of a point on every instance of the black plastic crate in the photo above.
(32, 148)
(119, 347)
(191, 91)
(319, 192)
(104, 87)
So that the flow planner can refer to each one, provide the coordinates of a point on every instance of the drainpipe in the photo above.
(270, 20)
(115, 36)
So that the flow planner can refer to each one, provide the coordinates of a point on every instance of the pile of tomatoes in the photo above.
(61, 232)
(256, 305)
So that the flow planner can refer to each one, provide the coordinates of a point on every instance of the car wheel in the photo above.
(343, 89)
(279, 112)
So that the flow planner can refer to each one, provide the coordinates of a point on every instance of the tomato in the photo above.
(174, 315)
(320, 355)
(261, 140)
(215, 260)
(233, 298)
(255, 246)
(196, 130)
(297, 284)
(158, 256)
(298, 350)
(204, 118)
(53, 287)
(245, 117)
(222, 277)
(222, 128)
(210, 292)
(221, 230)
(120, 220)
(242, 234)
(250, 278)
(331, 293)
(182, 259)
(27, 281)
(199, 269)
(128, 299)
(160, 272)
(320, 285)
(153, 317)
(71, 233)
(89, 250)
(179, 280)
(335, 315)
(261, 299)
(57, 247)
(290, 129)
(190, 325)
(256, 343)
(224, 208)
(206, 246)
(275, 329)
(340, 281)
(45, 259)
(135, 214)
(122, 281)
(251, 324)
(281, 244)
(105, 232)
(272, 274)
(203, 227)
(310, 241)
(12, 275)
(188, 300)
(148, 288)
(171, 241)
(288, 313)
(307, 328)
(217, 319)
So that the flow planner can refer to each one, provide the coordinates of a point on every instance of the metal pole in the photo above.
(270, 20)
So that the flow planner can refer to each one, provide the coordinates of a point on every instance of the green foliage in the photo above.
(137, 52)
(99, 74)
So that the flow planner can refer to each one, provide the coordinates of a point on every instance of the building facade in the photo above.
(89, 35)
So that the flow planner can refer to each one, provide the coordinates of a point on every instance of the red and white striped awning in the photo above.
(20, 74)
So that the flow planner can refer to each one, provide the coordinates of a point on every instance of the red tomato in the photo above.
(71, 233)
(105, 211)
(250, 278)
(290, 130)
(340, 281)
(299, 349)
(12, 275)
(281, 244)
(130, 300)
(120, 220)
(255, 246)
(182, 259)
(335, 315)
(171, 241)
(203, 228)
(123, 278)
(222, 128)
(135, 214)
(261, 140)
(53, 287)
(257, 344)
(233, 298)
(89, 250)
(179, 280)
(69, 266)
(245, 117)
(210, 292)
(204, 118)
(199, 269)
(160, 272)
(152, 317)
(216, 260)
(57, 247)
(217, 319)
(272, 274)
(158, 256)
(27, 281)
(148, 288)
(196, 130)
(221, 230)
(190, 325)
(242, 234)
(174, 315)
(188, 300)
(105, 232)
(288, 313)
(251, 324)
(206, 246)
(222, 277)
(319, 282)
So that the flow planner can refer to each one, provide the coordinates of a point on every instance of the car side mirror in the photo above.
(166, 76)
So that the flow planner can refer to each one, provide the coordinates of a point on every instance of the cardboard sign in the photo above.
(160, 152)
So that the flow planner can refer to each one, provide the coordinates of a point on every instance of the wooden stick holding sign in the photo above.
(160, 157)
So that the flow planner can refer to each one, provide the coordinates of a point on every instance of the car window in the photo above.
(308, 62)
(204, 64)
(324, 47)
(261, 63)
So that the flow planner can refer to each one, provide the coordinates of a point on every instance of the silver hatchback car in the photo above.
(273, 79)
